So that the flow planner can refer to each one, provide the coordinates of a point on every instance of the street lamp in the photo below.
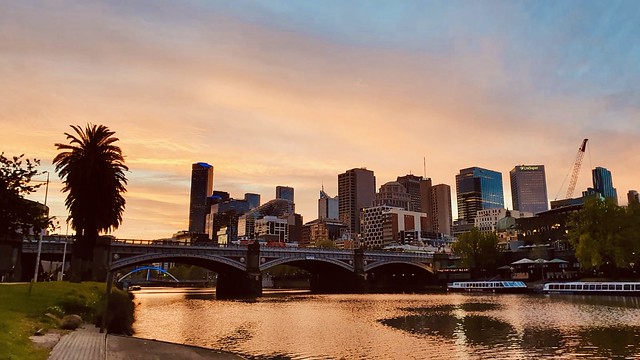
(37, 267)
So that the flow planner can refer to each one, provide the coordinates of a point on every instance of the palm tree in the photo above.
(92, 169)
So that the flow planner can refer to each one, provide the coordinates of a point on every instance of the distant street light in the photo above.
(46, 193)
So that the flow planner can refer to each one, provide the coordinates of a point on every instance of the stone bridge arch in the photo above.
(297, 261)
(211, 262)
(378, 264)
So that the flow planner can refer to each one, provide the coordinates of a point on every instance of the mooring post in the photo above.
(103, 326)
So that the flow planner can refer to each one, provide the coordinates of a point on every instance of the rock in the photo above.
(71, 322)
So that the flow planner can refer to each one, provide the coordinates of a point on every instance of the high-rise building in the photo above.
(441, 209)
(356, 191)
(284, 192)
(252, 199)
(327, 206)
(529, 188)
(421, 196)
(201, 189)
(633, 197)
(478, 189)
(393, 194)
(412, 185)
(603, 183)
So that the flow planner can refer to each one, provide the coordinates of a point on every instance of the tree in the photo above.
(17, 214)
(605, 236)
(478, 250)
(93, 172)
(325, 243)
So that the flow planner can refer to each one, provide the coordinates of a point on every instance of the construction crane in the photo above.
(576, 169)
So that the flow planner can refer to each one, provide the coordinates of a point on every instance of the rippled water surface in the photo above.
(394, 326)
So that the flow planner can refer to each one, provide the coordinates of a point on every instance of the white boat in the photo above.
(593, 288)
(491, 286)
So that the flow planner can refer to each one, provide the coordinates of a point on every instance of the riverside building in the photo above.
(478, 189)
(529, 188)
(356, 191)
(201, 189)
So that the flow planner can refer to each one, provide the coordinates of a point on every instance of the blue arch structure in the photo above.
(142, 268)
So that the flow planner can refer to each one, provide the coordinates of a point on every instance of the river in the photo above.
(299, 325)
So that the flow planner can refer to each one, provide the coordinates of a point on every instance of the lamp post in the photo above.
(37, 267)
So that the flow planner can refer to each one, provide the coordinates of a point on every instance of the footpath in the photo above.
(87, 343)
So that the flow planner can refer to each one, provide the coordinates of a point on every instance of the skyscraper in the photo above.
(441, 209)
(284, 192)
(633, 197)
(393, 194)
(421, 196)
(603, 183)
(356, 190)
(478, 189)
(201, 189)
(327, 206)
(529, 188)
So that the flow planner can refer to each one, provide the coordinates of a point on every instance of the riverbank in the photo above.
(87, 343)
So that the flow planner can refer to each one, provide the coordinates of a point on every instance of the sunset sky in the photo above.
(296, 92)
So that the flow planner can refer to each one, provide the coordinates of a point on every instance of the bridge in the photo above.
(240, 267)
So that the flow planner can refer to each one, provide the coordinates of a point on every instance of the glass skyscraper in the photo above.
(529, 188)
(603, 184)
(201, 189)
(478, 189)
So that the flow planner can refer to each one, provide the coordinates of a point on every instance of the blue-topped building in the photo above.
(603, 183)
(478, 189)
(201, 189)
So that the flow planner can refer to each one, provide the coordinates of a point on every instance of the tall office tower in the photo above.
(201, 189)
(327, 206)
(633, 197)
(441, 209)
(252, 199)
(284, 192)
(529, 188)
(356, 190)
(478, 189)
(412, 184)
(603, 183)
(393, 194)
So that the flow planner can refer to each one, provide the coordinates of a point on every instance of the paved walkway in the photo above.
(85, 343)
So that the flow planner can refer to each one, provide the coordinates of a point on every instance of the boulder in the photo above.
(71, 322)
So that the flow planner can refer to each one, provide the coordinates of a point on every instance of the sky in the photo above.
(295, 92)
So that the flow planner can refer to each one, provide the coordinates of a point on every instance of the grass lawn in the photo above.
(22, 313)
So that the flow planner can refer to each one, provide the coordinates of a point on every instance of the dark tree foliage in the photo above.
(17, 214)
(93, 172)
(606, 236)
(478, 250)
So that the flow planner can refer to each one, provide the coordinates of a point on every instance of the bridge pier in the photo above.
(233, 284)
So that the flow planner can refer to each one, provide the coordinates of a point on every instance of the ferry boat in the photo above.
(491, 286)
(593, 288)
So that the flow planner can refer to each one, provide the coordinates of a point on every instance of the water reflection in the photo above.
(399, 326)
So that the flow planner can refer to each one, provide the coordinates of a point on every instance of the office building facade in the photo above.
(603, 183)
(478, 189)
(327, 206)
(633, 197)
(529, 188)
(393, 194)
(441, 215)
(284, 192)
(201, 189)
(356, 191)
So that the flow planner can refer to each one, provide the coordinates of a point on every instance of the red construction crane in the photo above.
(576, 169)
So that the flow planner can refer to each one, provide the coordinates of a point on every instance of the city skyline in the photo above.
(297, 94)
